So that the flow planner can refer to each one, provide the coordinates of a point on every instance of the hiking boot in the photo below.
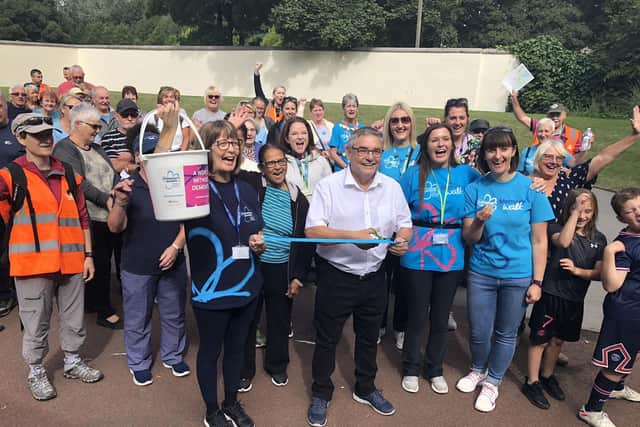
(534, 393)
(317, 412)
(41, 388)
(238, 416)
(552, 387)
(377, 401)
(83, 372)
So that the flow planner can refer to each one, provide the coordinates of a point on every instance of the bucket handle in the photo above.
(152, 113)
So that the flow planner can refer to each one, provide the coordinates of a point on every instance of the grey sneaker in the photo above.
(83, 372)
(41, 388)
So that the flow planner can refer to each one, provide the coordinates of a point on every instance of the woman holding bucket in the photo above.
(223, 256)
(153, 268)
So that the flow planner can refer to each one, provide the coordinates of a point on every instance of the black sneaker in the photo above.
(236, 412)
(552, 387)
(280, 380)
(217, 419)
(245, 385)
(534, 393)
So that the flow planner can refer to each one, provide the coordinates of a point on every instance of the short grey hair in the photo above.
(17, 86)
(96, 89)
(350, 98)
(364, 132)
(83, 112)
(544, 146)
(76, 67)
(546, 121)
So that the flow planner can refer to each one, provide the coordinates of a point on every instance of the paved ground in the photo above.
(170, 401)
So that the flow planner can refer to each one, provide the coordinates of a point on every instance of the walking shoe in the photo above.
(7, 305)
(317, 412)
(261, 340)
(41, 388)
(439, 385)
(452, 325)
(486, 401)
(595, 419)
(410, 383)
(217, 419)
(142, 377)
(563, 360)
(381, 333)
(552, 387)
(180, 369)
(280, 380)
(377, 401)
(245, 385)
(468, 383)
(627, 393)
(534, 393)
(238, 416)
(83, 372)
(399, 338)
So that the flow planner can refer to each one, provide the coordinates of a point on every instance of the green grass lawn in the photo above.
(618, 175)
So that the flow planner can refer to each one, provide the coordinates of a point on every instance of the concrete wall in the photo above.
(421, 77)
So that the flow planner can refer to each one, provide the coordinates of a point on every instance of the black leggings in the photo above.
(98, 291)
(217, 328)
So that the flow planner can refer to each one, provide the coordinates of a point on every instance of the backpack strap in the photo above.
(20, 193)
(70, 176)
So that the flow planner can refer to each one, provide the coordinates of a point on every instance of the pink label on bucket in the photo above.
(196, 185)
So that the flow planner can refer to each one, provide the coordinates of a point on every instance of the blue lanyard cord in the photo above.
(304, 171)
(268, 239)
(236, 223)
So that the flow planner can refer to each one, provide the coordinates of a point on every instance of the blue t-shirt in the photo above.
(396, 161)
(276, 212)
(218, 280)
(624, 304)
(525, 166)
(505, 251)
(340, 138)
(424, 253)
(10, 148)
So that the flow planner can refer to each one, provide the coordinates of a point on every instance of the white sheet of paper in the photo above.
(518, 78)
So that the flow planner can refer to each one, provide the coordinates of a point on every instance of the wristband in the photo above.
(537, 282)
(88, 254)
(176, 247)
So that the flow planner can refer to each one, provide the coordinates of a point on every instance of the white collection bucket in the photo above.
(178, 181)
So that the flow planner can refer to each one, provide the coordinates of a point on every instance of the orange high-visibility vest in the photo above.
(60, 235)
(271, 112)
(571, 137)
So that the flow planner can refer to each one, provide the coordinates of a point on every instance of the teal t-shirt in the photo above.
(395, 161)
(276, 212)
(425, 252)
(340, 138)
(505, 251)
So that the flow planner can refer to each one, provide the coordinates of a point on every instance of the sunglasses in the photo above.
(36, 121)
(405, 120)
(457, 102)
(213, 96)
(504, 129)
(129, 115)
(290, 99)
(20, 94)
(93, 126)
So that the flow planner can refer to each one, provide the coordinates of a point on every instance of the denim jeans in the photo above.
(495, 307)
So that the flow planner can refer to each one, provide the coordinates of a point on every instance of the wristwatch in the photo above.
(88, 254)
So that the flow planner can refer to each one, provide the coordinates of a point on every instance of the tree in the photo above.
(31, 20)
(329, 24)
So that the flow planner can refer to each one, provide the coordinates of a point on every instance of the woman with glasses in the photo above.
(62, 126)
(506, 222)
(211, 111)
(283, 265)
(343, 130)
(289, 111)
(431, 269)
(89, 160)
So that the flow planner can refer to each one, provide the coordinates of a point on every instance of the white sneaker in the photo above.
(595, 419)
(451, 323)
(381, 333)
(399, 337)
(486, 401)
(627, 393)
(439, 385)
(468, 383)
(410, 383)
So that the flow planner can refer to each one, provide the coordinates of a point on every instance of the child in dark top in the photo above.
(619, 341)
(575, 259)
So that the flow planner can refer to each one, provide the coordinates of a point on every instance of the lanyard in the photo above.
(304, 171)
(236, 223)
(443, 199)
(407, 159)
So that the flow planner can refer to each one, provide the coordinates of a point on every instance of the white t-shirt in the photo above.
(177, 140)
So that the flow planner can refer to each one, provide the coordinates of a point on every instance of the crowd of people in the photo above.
(359, 211)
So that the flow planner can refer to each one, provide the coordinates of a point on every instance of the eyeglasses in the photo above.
(224, 144)
(364, 152)
(271, 164)
(36, 121)
(20, 94)
(213, 96)
(395, 120)
(552, 157)
(129, 115)
(456, 102)
(69, 106)
(94, 126)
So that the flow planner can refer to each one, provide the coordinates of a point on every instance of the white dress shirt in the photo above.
(339, 203)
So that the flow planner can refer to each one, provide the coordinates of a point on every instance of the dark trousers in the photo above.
(217, 328)
(7, 285)
(278, 310)
(98, 291)
(429, 295)
(338, 296)
(392, 276)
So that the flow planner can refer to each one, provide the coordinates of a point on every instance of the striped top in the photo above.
(276, 212)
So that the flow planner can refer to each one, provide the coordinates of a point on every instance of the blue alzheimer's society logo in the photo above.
(392, 162)
(431, 190)
(487, 199)
(171, 180)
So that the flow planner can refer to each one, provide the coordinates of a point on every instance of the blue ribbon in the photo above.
(268, 239)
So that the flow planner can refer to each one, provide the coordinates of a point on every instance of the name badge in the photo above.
(240, 252)
(440, 237)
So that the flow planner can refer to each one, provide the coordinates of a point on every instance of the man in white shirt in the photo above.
(355, 203)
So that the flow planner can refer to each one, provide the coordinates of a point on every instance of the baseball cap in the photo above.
(556, 107)
(479, 125)
(126, 105)
(149, 142)
(31, 123)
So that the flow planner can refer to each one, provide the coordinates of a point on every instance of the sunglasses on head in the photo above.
(504, 129)
(457, 102)
(290, 99)
(36, 121)
(404, 120)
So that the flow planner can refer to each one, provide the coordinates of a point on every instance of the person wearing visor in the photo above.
(50, 252)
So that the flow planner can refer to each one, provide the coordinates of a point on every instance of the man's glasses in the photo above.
(405, 120)
(20, 94)
(94, 126)
(271, 164)
(364, 152)
(224, 144)
(36, 121)
(213, 96)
